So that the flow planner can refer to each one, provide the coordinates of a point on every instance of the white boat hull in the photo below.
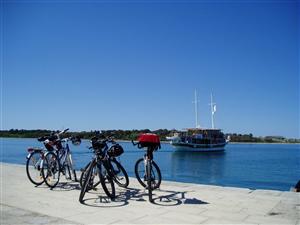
(179, 146)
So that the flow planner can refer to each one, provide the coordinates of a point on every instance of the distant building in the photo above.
(275, 138)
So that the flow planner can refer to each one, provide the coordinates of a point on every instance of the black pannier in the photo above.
(98, 144)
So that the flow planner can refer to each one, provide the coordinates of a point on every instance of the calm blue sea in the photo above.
(255, 166)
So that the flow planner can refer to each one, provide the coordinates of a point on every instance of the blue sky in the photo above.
(135, 64)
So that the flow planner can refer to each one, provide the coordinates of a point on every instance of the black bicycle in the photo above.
(146, 170)
(103, 168)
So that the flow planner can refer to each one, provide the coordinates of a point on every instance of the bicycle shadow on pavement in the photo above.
(133, 194)
(122, 198)
(175, 198)
(125, 196)
(100, 200)
(171, 198)
(67, 186)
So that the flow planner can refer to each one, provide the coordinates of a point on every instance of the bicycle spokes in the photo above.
(50, 170)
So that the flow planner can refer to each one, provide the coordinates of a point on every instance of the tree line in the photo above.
(133, 134)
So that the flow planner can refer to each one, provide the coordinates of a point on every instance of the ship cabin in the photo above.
(201, 136)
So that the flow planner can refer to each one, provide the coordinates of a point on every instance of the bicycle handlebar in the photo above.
(63, 131)
(53, 136)
(138, 144)
(148, 146)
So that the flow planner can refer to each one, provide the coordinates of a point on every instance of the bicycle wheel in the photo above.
(140, 173)
(149, 180)
(33, 168)
(107, 180)
(83, 174)
(50, 169)
(71, 166)
(66, 171)
(120, 174)
(87, 181)
(94, 181)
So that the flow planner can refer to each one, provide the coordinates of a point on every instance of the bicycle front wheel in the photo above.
(83, 174)
(140, 173)
(120, 174)
(71, 167)
(88, 179)
(33, 168)
(106, 179)
(50, 169)
(94, 181)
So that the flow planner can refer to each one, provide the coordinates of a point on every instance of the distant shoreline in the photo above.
(127, 135)
(167, 142)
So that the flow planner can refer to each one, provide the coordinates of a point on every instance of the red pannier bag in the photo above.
(149, 140)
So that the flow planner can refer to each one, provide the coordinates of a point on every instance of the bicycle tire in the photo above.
(33, 162)
(149, 180)
(81, 179)
(107, 181)
(75, 175)
(120, 175)
(71, 166)
(83, 176)
(67, 172)
(50, 164)
(86, 182)
(155, 173)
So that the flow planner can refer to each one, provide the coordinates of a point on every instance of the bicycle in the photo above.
(58, 158)
(120, 175)
(34, 160)
(104, 166)
(146, 170)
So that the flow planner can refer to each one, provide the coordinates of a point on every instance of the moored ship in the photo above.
(200, 139)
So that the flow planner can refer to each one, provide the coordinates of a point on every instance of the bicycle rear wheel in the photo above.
(50, 169)
(140, 173)
(120, 174)
(33, 168)
(149, 180)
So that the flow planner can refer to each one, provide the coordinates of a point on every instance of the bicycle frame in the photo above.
(63, 153)
(65, 156)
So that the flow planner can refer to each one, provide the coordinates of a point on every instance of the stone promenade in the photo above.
(175, 203)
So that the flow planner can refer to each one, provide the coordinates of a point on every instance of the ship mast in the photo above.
(196, 109)
(213, 110)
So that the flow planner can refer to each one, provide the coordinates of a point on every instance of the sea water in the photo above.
(254, 166)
